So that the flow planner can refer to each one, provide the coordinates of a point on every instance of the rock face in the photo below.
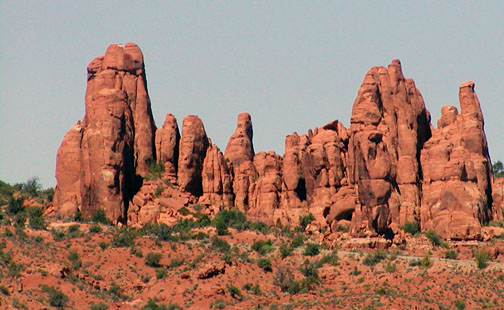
(193, 149)
(389, 168)
(67, 196)
(457, 171)
(167, 146)
(216, 180)
(240, 154)
(389, 126)
(116, 137)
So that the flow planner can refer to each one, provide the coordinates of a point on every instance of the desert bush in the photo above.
(74, 258)
(331, 259)
(161, 273)
(297, 241)
(435, 239)
(95, 229)
(265, 264)
(15, 205)
(4, 290)
(98, 306)
(116, 293)
(305, 220)
(36, 221)
(100, 217)
(284, 278)
(262, 247)
(411, 227)
(174, 263)
(425, 262)
(390, 267)
(56, 297)
(152, 259)
(220, 245)
(156, 170)
(375, 258)
(482, 258)
(285, 250)
(234, 292)
(311, 249)
(459, 304)
(123, 237)
(451, 254)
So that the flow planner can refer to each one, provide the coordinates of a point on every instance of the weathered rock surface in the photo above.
(117, 137)
(193, 149)
(67, 195)
(389, 126)
(240, 154)
(456, 196)
(216, 180)
(167, 146)
(389, 168)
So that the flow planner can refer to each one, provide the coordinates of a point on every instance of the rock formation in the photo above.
(389, 126)
(193, 149)
(456, 196)
(389, 168)
(167, 146)
(240, 154)
(116, 138)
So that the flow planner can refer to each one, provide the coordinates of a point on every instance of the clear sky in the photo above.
(293, 65)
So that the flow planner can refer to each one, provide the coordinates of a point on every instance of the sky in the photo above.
(293, 65)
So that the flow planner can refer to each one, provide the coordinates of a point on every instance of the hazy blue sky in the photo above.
(293, 65)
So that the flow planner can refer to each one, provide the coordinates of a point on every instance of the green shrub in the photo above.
(75, 259)
(305, 220)
(116, 293)
(218, 304)
(482, 258)
(220, 245)
(297, 241)
(4, 290)
(426, 262)
(262, 247)
(20, 220)
(98, 306)
(235, 292)
(95, 229)
(161, 273)
(156, 170)
(343, 228)
(174, 263)
(459, 304)
(331, 259)
(123, 237)
(411, 227)
(56, 297)
(36, 221)
(78, 217)
(375, 258)
(15, 205)
(451, 254)
(284, 278)
(14, 270)
(100, 217)
(390, 267)
(265, 264)
(285, 250)
(153, 259)
(311, 249)
(435, 239)
(254, 289)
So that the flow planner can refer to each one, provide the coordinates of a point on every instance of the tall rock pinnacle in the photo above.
(456, 195)
(117, 137)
